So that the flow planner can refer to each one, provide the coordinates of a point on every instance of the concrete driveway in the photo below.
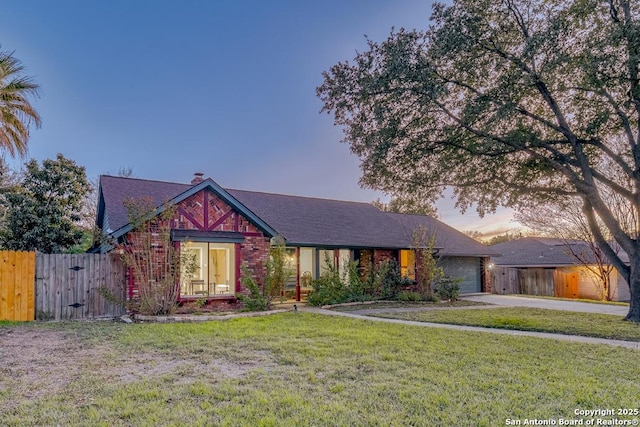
(519, 301)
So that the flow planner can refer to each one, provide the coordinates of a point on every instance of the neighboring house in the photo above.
(226, 228)
(548, 267)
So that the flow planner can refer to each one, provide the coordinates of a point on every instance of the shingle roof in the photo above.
(303, 220)
(453, 242)
(114, 191)
(540, 252)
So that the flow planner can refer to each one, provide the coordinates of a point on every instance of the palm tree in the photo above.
(16, 113)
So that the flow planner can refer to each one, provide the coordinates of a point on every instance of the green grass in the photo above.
(591, 301)
(531, 319)
(298, 369)
(377, 305)
(9, 323)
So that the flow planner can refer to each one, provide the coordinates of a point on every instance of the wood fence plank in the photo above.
(39, 287)
(105, 282)
(99, 303)
(5, 286)
(18, 303)
(96, 281)
(69, 288)
(72, 288)
(86, 284)
(38, 283)
(9, 277)
(20, 288)
(57, 280)
(29, 282)
(89, 294)
(79, 284)
(48, 293)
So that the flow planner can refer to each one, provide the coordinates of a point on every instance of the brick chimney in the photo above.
(197, 178)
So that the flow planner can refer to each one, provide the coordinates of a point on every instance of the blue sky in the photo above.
(169, 88)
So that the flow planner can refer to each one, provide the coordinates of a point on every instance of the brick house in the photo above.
(227, 228)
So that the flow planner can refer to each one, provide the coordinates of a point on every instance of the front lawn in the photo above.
(424, 305)
(531, 319)
(590, 301)
(298, 369)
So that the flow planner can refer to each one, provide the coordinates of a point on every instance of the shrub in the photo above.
(409, 296)
(333, 288)
(386, 282)
(156, 264)
(448, 288)
(278, 270)
(255, 301)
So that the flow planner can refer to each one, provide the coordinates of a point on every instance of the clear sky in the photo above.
(226, 88)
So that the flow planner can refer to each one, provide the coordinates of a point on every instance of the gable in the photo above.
(223, 211)
(206, 211)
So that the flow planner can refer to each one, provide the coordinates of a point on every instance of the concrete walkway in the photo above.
(559, 337)
(553, 304)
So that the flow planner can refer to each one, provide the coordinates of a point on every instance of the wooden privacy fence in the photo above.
(67, 286)
(60, 286)
(535, 281)
(17, 270)
(526, 281)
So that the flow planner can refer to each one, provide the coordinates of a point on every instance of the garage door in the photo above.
(467, 269)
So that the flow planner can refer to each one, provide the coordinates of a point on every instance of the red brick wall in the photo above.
(254, 253)
(219, 216)
(380, 255)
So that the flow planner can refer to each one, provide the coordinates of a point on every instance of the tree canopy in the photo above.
(512, 103)
(16, 112)
(407, 205)
(42, 212)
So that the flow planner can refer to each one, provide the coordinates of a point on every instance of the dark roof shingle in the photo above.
(541, 252)
(304, 220)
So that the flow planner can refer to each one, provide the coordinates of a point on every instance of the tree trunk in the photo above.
(634, 288)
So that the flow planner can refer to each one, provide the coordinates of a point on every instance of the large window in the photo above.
(307, 267)
(214, 274)
(408, 263)
(344, 257)
(327, 257)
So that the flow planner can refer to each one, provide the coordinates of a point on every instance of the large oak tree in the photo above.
(513, 103)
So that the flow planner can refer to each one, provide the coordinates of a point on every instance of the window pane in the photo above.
(408, 263)
(306, 267)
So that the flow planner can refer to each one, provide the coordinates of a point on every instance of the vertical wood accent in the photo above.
(205, 214)
(17, 272)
